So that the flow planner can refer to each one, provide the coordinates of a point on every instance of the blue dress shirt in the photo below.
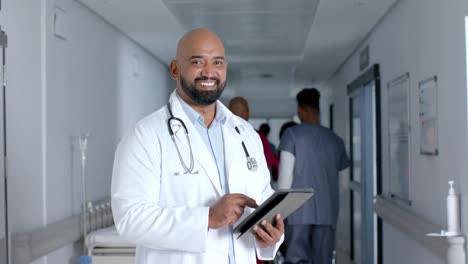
(213, 138)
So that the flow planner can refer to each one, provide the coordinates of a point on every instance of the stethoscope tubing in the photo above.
(188, 169)
(251, 162)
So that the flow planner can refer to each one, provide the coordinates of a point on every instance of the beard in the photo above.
(202, 97)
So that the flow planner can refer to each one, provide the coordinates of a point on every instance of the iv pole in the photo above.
(83, 141)
(4, 44)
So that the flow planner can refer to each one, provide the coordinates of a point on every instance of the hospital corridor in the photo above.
(92, 87)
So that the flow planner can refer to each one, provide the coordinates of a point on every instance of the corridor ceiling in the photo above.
(274, 47)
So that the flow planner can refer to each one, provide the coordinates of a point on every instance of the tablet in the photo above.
(283, 202)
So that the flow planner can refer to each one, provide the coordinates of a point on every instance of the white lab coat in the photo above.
(166, 215)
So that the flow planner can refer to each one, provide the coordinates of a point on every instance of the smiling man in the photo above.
(200, 71)
(181, 181)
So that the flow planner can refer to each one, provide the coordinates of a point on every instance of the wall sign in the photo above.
(429, 143)
(364, 58)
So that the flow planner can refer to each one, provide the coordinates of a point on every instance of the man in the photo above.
(180, 179)
(311, 157)
(240, 107)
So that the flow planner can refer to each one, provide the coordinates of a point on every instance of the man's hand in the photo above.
(228, 210)
(269, 235)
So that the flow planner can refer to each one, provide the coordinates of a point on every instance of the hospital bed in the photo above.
(102, 241)
(104, 244)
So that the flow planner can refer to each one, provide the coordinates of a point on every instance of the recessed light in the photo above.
(266, 75)
(112, 2)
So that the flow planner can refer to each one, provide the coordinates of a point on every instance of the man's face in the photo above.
(199, 95)
(201, 69)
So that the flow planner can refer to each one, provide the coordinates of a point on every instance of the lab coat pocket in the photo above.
(186, 173)
(190, 189)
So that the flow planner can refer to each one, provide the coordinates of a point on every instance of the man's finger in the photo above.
(251, 203)
(262, 234)
(239, 211)
(279, 223)
(244, 200)
(270, 229)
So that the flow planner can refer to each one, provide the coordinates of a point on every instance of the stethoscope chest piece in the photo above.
(252, 164)
(251, 161)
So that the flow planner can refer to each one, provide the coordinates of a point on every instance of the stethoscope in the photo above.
(251, 161)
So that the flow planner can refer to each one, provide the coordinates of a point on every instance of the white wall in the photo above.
(24, 130)
(58, 89)
(425, 40)
(260, 104)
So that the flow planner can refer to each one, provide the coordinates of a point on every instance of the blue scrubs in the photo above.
(319, 156)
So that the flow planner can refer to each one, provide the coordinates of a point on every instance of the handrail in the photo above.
(412, 225)
(32, 245)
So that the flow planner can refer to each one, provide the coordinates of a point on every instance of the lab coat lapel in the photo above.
(233, 150)
(202, 156)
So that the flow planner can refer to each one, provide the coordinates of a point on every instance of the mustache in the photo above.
(204, 78)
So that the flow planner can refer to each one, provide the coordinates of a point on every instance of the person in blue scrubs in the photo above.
(311, 156)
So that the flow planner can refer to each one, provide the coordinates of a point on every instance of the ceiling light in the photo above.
(112, 2)
(266, 75)
(359, 4)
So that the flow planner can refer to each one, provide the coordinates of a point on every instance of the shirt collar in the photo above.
(195, 117)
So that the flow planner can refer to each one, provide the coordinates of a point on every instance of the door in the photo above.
(365, 167)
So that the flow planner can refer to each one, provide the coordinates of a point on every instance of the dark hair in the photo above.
(264, 128)
(286, 126)
(309, 97)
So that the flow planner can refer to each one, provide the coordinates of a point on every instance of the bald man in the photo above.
(181, 178)
(240, 107)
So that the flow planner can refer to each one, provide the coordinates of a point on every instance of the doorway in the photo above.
(365, 181)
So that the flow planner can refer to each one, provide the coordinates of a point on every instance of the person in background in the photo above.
(284, 247)
(265, 129)
(286, 126)
(311, 156)
(181, 179)
(240, 107)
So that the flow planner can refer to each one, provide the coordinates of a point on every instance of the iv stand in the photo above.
(83, 141)
(3, 45)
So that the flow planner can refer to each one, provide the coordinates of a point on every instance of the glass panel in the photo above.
(356, 139)
(398, 133)
(368, 173)
(357, 227)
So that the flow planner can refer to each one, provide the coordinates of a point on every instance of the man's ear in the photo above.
(174, 70)
(300, 110)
